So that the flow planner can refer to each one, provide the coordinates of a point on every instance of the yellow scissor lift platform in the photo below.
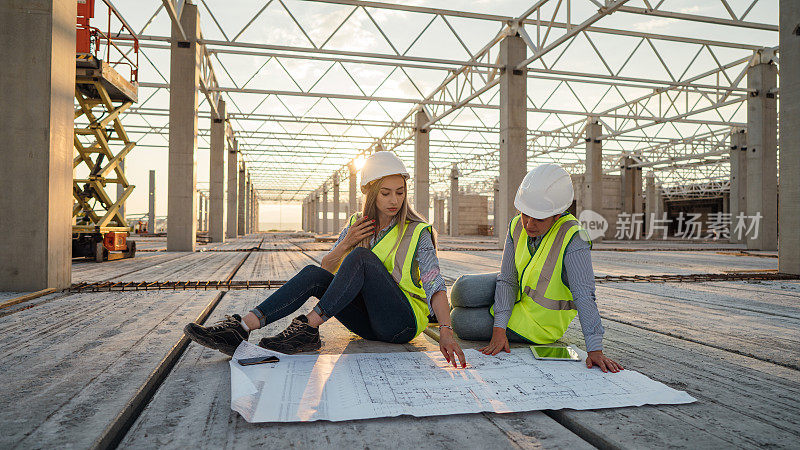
(100, 231)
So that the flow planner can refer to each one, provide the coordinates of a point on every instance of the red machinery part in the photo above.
(115, 241)
(83, 42)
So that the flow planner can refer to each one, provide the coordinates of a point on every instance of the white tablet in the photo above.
(555, 353)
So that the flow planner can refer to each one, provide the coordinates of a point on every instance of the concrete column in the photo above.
(310, 220)
(513, 129)
(738, 161)
(309, 214)
(762, 141)
(233, 191)
(200, 205)
(184, 81)
(256, 216)
(496, 205)
(248, 204)
(336, 204)
(303, 212)
(788, 256)
(453, 207)
(216, 226)
(422, 202)
(353, 192)
(318, 212)
(241, 200)
(121, 190)
(631, 189)
(253, 207)
(325, 209)
(592, 198)
(650, 200)
(438, 215)
(659, 200)
(151, 204)
(37, 41)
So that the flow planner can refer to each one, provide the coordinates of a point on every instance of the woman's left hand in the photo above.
(597, 358)
(450, 348)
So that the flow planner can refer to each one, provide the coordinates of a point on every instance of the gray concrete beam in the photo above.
(37, 41)
(738, 176)
(232, 226)
(422, 164)
(789, 242)
(184, 80)
(513, 129)
(762, 158)
(151, 204)
(216, 226)
(452, 223)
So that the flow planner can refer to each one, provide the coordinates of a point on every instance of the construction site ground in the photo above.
(112, 366)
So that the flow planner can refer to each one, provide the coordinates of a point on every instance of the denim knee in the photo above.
(313, 270)
(358, 255)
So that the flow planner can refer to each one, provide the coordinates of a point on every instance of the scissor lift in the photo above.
(100, 230)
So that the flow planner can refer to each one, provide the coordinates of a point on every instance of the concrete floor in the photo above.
(71, 362)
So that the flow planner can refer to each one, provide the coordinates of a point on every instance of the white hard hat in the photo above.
(381, 164)
(545, 191)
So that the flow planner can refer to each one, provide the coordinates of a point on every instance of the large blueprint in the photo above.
(303, 388)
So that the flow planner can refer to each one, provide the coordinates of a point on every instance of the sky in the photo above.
(275, 26)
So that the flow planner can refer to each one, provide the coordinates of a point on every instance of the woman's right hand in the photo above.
(498, 343)
(360, 229)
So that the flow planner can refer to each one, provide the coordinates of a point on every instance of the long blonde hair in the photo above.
(406, 213)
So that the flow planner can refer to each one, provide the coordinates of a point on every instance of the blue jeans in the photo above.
(362, 295)
(471, 298)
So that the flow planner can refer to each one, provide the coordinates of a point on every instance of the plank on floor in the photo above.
(746, 325)
(192, 408)
(90, 271)
(742, 402)
(200, 266)
(272, 266)
(649, 263)
(70, 365)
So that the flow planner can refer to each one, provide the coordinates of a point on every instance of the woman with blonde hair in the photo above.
(380, 280)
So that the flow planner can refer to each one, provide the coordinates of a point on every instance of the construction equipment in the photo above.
(102, 94)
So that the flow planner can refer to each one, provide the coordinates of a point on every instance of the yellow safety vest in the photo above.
(399, 262)
(544, 306)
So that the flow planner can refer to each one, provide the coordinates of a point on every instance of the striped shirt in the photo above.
(425, 259)
(577, 274)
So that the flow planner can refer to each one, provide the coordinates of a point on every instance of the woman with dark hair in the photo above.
(545, 278)
(380, 280)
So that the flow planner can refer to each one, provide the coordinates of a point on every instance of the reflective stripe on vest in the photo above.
(544, 307)
(399, 262)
